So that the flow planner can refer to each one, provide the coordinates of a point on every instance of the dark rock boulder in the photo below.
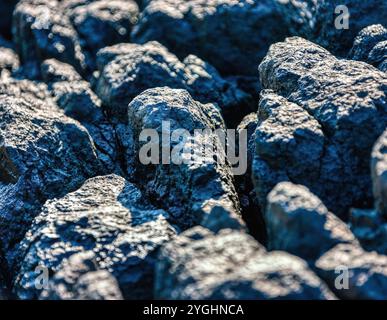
(183, 182)
(108, 216)
(126, 70)
(231, 265)
(9, 60)
(53, 71)
(348, 100)
(298, 222)
(231, 35)
(80, 279)
(353, 273)
(44, 155)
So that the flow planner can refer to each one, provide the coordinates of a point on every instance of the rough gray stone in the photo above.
(186, 188)
(9, 60)
(231, 265)
(108, 216)
(348, 100)
(80, 279)
(231, 35)
(366, 40)
(126, 70)
(298, 222)
(54, 71)
(44, 155)
(317, 20)
(366, 271)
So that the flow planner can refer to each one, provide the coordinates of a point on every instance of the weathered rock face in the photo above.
(107, 216)
(366, 40)
(126, 70)
(353, 273)
(370, 226)
(8, 57)
(347, 101)
(44, 155)
(298, 222)
(231, 265)
(80, 279)
(188, 183)
(70, 31)
(324, 21)
(232, 35)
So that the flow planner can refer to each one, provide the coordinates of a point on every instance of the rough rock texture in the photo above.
(126, 70)
(367, 272)
(366, 40)
(44, 155)
(321, 21)
(298, 222)
(231, 265)
(370, 226)
(186, 188)
(346, 103)
(70, 31)
(9, 60)
(232, 35)
(76, 98)
(108, 216)
(80, 279)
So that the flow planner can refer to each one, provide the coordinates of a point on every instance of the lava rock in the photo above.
(231, 35)
(287, 140)
(298, 222)
(352, 273)
(231, 265)
(44, 155)
(366, 40)
(188, 182)
(126, 70)
(108, 216)
(103, 23)
(41, 30)
(323, 21)
(55, 71)
(80, 279)
(348, 100)
(9, 60)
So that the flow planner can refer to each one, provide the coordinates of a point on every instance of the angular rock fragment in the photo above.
(69, 31)
(289, 141)
(231, 35)
(108, 216)
(366, 40)
(44, 155)
(353, 273)
(80, 279)
(9, 60)
(41, 31)
(55, 71)
(188, 173)
(348, 100)
(126, 70)
(299, 223)
(231, 265)
(102, 23)
(331, 23)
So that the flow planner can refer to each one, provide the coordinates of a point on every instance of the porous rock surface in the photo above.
(108, 216)
(342, 106)
(231, 265)
(126, 70)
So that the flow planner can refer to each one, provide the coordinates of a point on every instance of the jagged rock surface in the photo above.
(126, 70)
(184, 188)
(232, 35)
(108, 216)
(348, 100)
(231, 265)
